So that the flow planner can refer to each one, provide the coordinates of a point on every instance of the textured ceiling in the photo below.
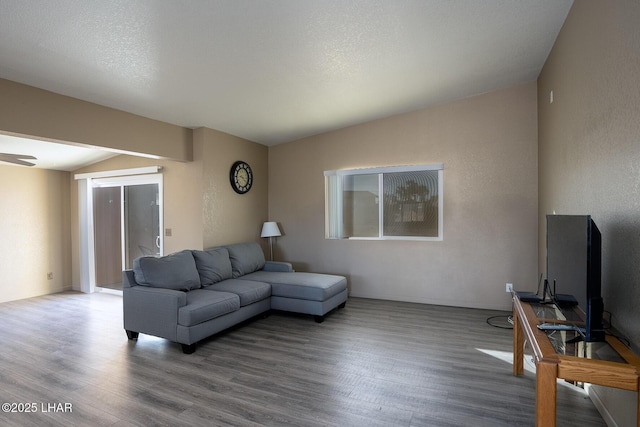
(273, 71)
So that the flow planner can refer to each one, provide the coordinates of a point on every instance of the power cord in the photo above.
(507, 322)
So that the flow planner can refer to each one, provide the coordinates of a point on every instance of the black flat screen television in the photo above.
(574, 268)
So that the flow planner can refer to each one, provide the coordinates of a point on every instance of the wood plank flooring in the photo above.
(374, 363)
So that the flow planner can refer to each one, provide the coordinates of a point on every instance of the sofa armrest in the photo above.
(128, 279)
(152, 311)
(278, 266)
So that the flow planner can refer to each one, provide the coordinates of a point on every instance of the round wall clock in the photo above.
(241, 177)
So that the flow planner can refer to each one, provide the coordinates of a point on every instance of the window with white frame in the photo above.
(403, 202)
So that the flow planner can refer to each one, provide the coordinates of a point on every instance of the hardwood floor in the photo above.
(374, 363)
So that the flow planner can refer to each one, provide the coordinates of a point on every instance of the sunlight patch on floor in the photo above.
(507, 356)
(529, 365)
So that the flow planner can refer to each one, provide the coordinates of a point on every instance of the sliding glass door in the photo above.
(127, 219)
(107, 209)
(141, 222)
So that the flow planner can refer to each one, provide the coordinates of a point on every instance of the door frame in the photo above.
(123, 177)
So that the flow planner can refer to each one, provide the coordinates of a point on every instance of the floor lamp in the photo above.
(270, 230)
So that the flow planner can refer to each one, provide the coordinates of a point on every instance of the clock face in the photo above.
(241, 177)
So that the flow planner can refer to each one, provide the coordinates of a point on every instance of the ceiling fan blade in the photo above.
(17, 159)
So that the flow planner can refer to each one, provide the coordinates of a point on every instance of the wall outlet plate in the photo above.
(509, 287)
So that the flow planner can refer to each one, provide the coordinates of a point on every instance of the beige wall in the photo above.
(34, 112)
(488, 145)
(34, 207)
(590, 149)
(230, 217)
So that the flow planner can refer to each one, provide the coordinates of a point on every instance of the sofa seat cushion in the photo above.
(176, 271)
(249, 291)
(306, 286)
(213, 265)
(203, 305)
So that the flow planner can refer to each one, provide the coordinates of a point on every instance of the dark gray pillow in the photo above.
(176, 271)
(213, 265)
(245, 258)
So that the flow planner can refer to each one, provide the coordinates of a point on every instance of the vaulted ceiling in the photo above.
(274, 71)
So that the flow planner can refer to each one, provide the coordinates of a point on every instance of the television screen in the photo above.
(574, 267)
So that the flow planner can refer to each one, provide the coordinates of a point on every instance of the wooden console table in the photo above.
(609, 364)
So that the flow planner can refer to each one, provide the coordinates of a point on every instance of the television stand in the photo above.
(577, 362)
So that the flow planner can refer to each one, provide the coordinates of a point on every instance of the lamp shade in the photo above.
(270, 229)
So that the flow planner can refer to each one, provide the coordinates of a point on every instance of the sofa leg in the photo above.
(188, 348)
(319, 319)
(132, 335)
(343, 305)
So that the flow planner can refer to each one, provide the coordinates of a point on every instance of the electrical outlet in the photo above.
(509, 287)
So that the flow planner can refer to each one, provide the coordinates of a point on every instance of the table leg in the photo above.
(546, 389)
(518, 346)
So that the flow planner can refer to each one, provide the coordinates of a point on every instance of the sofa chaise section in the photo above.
(307, 293)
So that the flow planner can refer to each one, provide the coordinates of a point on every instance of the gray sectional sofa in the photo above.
(190, 295)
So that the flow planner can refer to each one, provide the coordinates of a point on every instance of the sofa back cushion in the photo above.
(245, 258)
(176, 271)
(213, 265)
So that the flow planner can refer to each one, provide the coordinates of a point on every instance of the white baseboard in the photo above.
(618, 408)
(597, 402)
